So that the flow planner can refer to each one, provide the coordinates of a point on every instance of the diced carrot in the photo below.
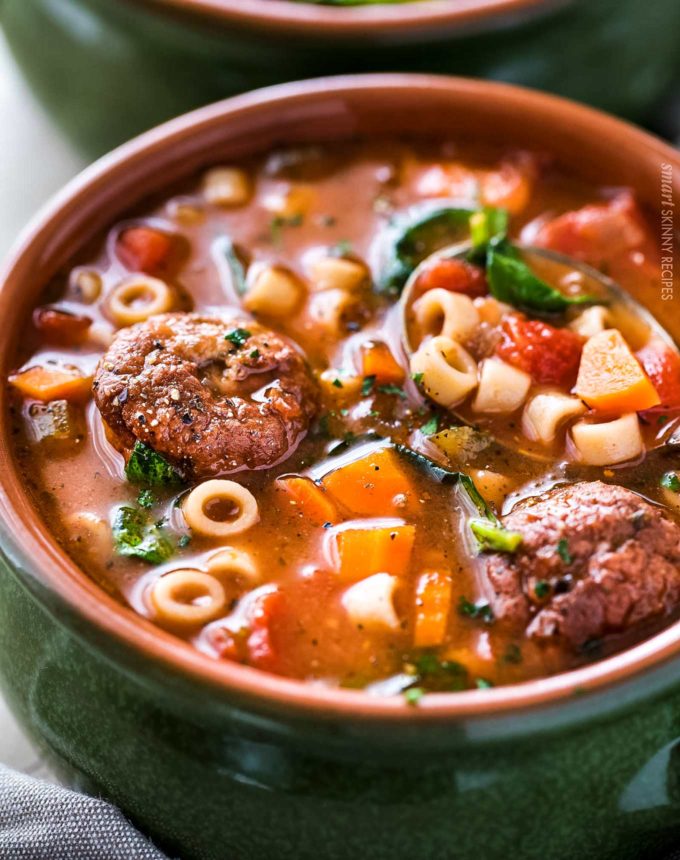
(260, 646)
(311, 500)
(60, 326)
(379, 362)
(510, 188)
(372, 486)
(363, 552)
(433, 604)
(52, 383)
(143, 249)
(610, 378)
(662, 366)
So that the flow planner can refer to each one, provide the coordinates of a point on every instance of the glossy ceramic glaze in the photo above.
(216, 760)
(108, 69)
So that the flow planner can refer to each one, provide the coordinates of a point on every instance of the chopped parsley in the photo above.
(146, 499)
(145, 466)
(417, 378)
(389, 388)
(483, 684)
(479, 611)
(431, 426)
(367, 385)
(563, 551)
(184, 541)
(255, 353)
(136, 537)
(278, 223)
(337, 383)
(541, 589)
(670, 481)
(238, 336)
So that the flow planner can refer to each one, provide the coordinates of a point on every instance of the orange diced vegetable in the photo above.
(510, 188)
(433, 604)
(379, 362)
(311, 499)
(144, 249)
(610, 378)
(363, 552)
(372, 486)
(52, 383)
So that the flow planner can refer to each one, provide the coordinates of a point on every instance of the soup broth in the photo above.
(269, 468)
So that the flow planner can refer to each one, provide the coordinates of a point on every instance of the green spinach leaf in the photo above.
(145, 466)
(136, 537)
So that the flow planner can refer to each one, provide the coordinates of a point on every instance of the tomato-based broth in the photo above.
(259, 414)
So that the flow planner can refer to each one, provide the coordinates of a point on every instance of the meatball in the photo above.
(595, 559)
(211, 395)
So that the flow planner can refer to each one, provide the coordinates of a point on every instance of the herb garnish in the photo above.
(390, 388)
(145, 466)
(431, 426)
(563, 551)
(237, 271)
(367, 385)
(418, 378)
(136, 537)
(146, 499)
(671, 481)
(238, 336)
(541, 589)
(481, 610)
(278, 222)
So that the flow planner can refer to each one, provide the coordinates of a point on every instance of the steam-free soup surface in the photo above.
(219, 420)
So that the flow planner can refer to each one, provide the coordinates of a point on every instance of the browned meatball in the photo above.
(212, 396)
(596, 559)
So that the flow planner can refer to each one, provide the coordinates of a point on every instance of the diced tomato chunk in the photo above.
(60, 326)
(260, 648)
(224, 642)
(599, 233)
(662, 366)
(456, 276)
(144, 249)
(549, 355)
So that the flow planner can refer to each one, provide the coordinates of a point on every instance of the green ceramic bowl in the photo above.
(108, 69)
(217, 760)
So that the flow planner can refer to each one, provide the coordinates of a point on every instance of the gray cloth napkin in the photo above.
(39, 821)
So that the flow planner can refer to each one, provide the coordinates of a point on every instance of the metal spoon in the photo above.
(591, 282)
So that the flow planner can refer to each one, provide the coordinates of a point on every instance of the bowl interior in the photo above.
(590, 144)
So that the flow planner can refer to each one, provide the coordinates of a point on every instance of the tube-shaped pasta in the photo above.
(591, 321)
(187, 597)
(329, 308)
(608, 442)
(370, 603)
(137, 298)
(502, 387)
(219, 492)
(453, 315)
(227, 186)
(449, 372)
(337, 273)
(275, 292)
(546, 411)
(229, 563)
